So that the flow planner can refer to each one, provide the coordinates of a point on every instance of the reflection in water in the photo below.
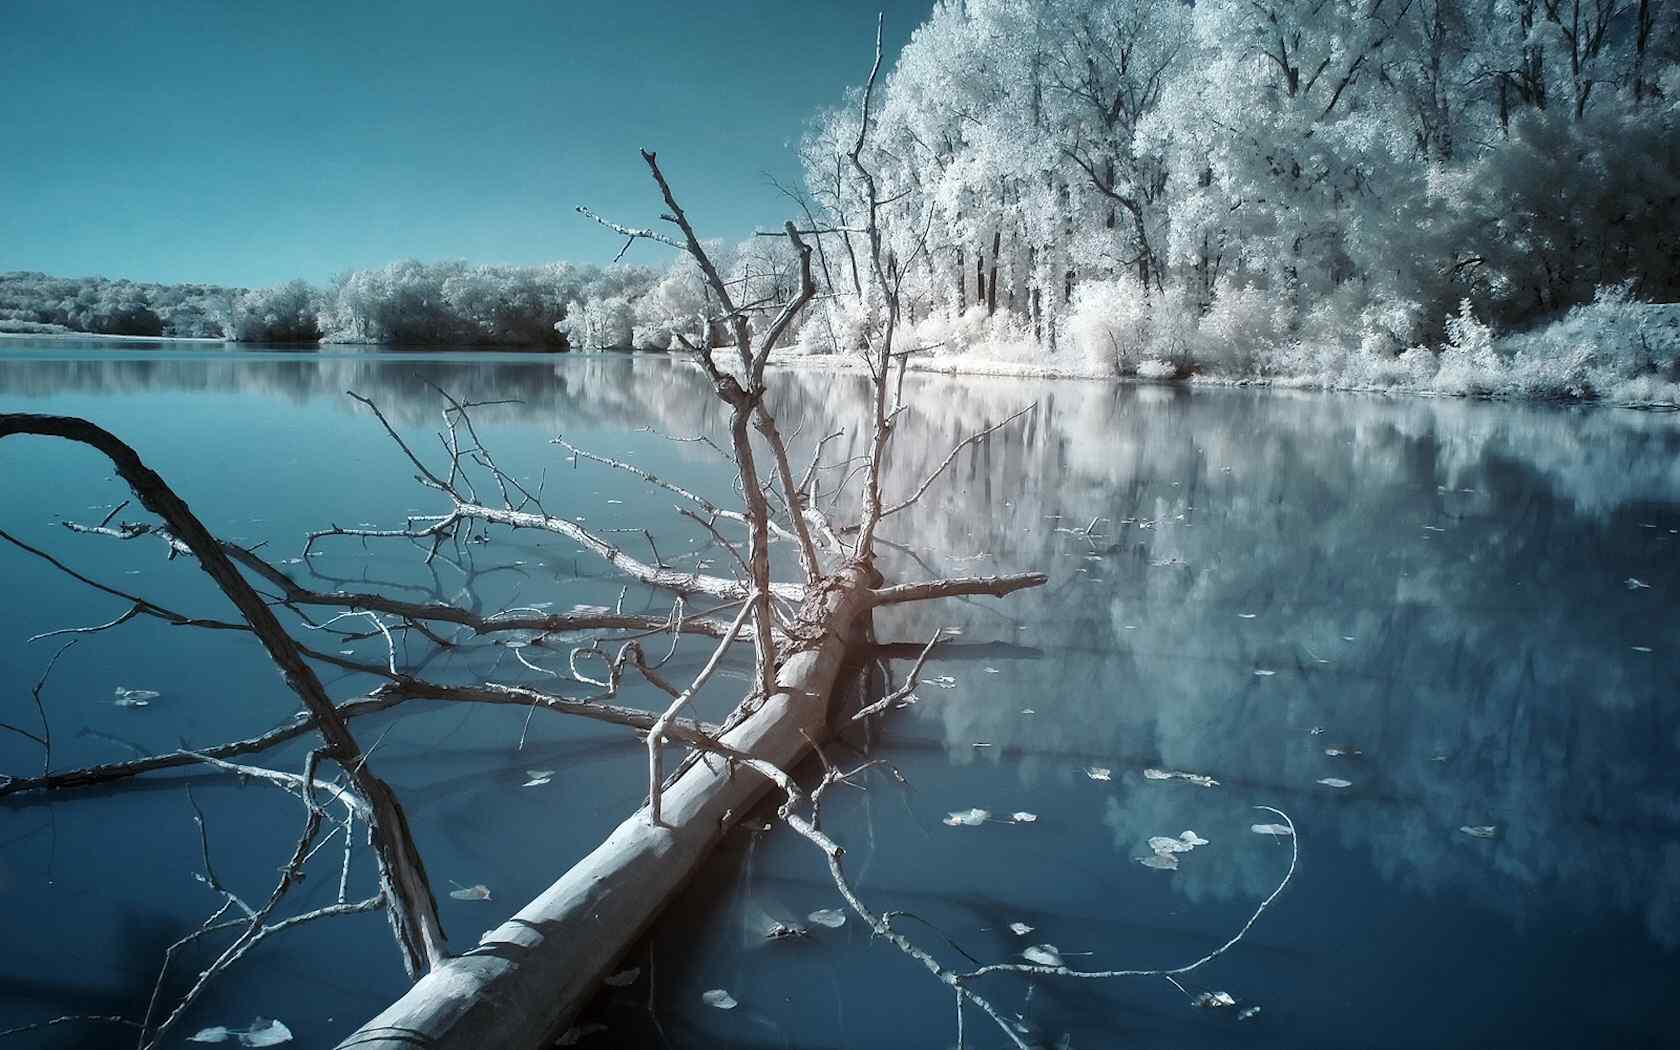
(1471, 602)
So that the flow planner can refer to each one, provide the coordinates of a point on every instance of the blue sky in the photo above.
(249, 143)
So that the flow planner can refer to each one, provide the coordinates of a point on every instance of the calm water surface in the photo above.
(1474, 602)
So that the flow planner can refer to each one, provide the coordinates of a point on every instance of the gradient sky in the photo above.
(250, 143)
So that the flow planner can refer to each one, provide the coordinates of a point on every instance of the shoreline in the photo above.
(953, 365)
(960, 365)
(109, 337)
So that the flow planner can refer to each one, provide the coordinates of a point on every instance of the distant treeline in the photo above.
(35, 301)
(406, 303)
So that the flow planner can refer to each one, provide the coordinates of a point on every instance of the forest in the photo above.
(1465, 196)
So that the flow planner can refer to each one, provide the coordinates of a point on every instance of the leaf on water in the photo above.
(1343, 752)
(1199, 779)
(624, 978)
(991, 670)
(1248, 1013)
(265, 1033)
(347, 652)
(479, 892)
(579, 1032)
(833, 918)
(1480, 831)
(1043, 955)
(1029, 711)
(1247, 616)
(1020, 929)
(967, 818)
(1215, 1000)
(261, 1033)
(1168, 844)
(134, 697)
(1335, 782)
(1023, 817)
(1099, 773)
(1280, 830)
(1193, 839)
(1160, 861)
(1636, 584)
(981, 743)
(539, 777)
(944, 681)
(719, 998)
(1261, 672)
(1641, 648)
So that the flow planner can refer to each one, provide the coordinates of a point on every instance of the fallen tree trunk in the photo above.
(523, 985)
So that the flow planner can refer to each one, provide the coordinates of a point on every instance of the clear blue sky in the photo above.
(250, 143)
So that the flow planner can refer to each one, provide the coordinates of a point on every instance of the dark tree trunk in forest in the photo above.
(991, 285)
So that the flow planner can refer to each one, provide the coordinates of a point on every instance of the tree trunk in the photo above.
(528, 978)
(991, 283)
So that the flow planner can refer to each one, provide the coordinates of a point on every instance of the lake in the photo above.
(1464, 611)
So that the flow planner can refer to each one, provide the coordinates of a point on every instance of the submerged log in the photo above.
(528, 978)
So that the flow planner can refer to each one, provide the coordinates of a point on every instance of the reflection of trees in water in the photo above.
(1501, 642)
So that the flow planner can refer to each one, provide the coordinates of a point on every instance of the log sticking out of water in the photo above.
(529, 977)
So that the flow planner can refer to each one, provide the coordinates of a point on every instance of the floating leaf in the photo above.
(1480, 831)
(134, 697)
(1023, 817)
(1193, 839)
(624, 978)
(944, 681)
(719, 998)
(1043, 955)
(579, 1032)
(480, 892)
(1160, 861)
(1343, 752)
(1261, 672)
(1099, 773)
(1247, 616)
(1020, 929)
(539, 777)
(1280, 830)
(261, 1033)
(1199, 779)
(1215, 1000)
(1248, 1013)
(1029, 711)
(1335, 782)
(1636, 584)
(981, 743)
(991, 670)
(967, 818)
(265, 1033)
(1641, 648)
(833, 918)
